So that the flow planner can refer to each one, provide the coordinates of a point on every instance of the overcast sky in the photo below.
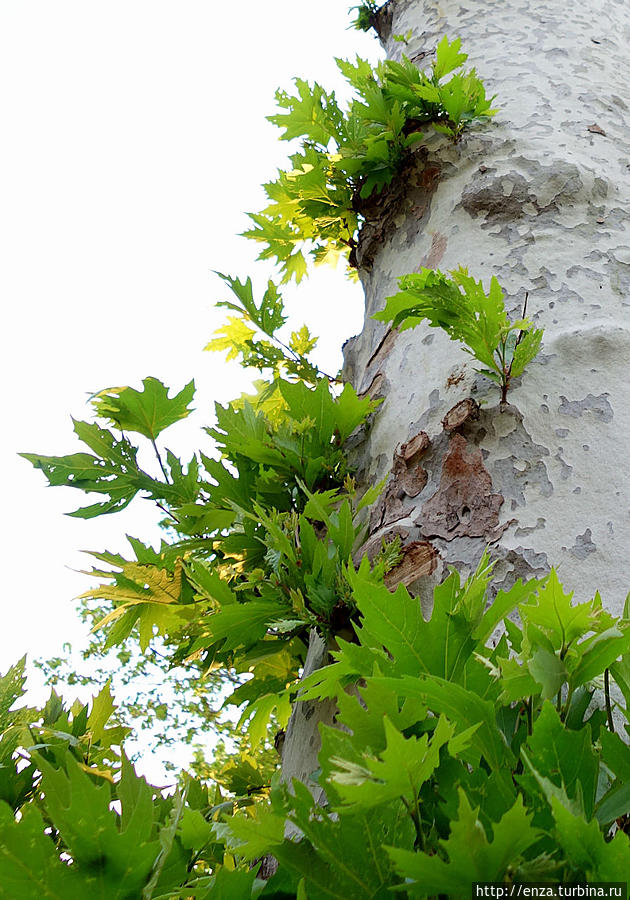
(134, 140)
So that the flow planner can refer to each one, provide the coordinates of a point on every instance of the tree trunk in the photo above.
(538, 197)
(302, 742)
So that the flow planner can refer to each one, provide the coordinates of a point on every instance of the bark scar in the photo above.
(407, 479)
(420, 559)
(463, 505)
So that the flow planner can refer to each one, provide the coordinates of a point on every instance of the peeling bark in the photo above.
(420, 559)
(462, 412)
(464, 504)
(539, 198)
(407, 479)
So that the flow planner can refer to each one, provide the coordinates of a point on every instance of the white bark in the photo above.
(302, 742)
(542, 202)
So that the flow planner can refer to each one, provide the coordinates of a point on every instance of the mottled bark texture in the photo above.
(539, 197)
(302, 741)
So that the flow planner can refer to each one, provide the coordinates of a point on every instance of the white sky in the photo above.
(134, 140)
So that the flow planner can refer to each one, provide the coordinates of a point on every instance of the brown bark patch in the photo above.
(372, 547)
(382, 21)
(420, 559)
(463, 411)
(454, 379)
(373, 391)
(409, 195)
(407, 479)
(437, 250)
(412, 450)
(463, 505)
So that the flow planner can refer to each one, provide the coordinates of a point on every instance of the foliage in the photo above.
(75, 819)
(258, 539)
(461, 757)
(365, 13)
(470, 748)
(269, 354)
(460, 306)
(166, 707)
(317, 205)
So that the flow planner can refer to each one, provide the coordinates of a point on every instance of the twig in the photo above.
(159, 459)
(609, 715)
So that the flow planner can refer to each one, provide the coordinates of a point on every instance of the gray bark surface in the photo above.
(539, 197)
(302, 742)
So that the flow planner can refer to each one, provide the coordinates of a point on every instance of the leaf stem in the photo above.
(567, 704)
(166, 510)
(414, 813)
(529, 704)
(159, 459)
(609, 715)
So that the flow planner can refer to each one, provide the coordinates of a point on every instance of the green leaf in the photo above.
(312, 113)
(30, 868)
(548, 671)
(471, 855)
(440, 646)
(516, 682)
(567, 758)
(503, 604)
(599, 653)
(232, 884)
(113, 472)
(615, 754)
(240, 625)
(372, 494)
(147, 412)
(302, 342)
(459, 304)
(448, 57)
(102, 710)
(11, 689)
(613, 805)
(527, 350)
(234, 336)
(343, 858)
(401, 769)
(81, 812)
(241, 775)
(463, 708)
(586, 847)
(260, 713)
(254, 835)
(268, 316)
(553, 612)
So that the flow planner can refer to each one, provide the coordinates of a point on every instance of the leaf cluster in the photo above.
(460, 306)
(463, 757)
(317, 205)
(365, 13)
(460, 758)
(259, 534)
(253, 336)
(77, 821)
(111, 467)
